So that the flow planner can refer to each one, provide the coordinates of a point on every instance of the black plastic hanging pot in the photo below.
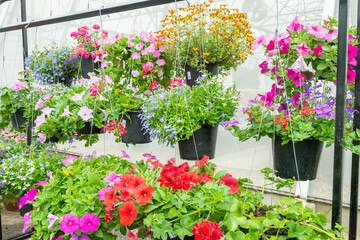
(90, 129)
(88, 65)
(193, 73)
(204, 143)
(25, 209)
(135, 132)
(171, 237)
(308, 154)
(18, 119)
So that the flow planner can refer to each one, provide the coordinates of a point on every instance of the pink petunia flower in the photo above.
(136, 55)
(332, 34)
(66, 112)
(351, 74)
(42, 183)
(47, 111)
(139, 46)
(85, 113)
(70, 223)
(40, 120)
(29, 197)
(135, 73)
(69, 159)
(156, 53)
(317, 30)
(112, 178)
(160, 62)
(27, 220)
(47, 97)
(59, 238)
(39, 104)
(125, 155)
(41, 137)
(295, 25)
(318, 50)
(78, 96)
(10, 134)
(89, 223)
(303, 50)
(81, 237)
(259, 41)
(96, 27)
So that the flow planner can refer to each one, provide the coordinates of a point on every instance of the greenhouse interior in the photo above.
(179, 119)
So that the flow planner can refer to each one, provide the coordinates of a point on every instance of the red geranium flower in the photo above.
(206, 178)
(231, 182)
(202, 162)
(136, 183)
(128, 213)
(207, 231)
(144, 194)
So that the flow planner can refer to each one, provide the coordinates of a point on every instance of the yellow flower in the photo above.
(206, 53)
(195, 48)
(68, 173)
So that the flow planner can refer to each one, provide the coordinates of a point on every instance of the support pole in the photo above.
(354, 190)
(340, 114)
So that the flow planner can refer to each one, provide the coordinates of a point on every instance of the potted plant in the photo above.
(75, 112)
(190, 116)
(137, 60)
(89, 47)
(203, 36)
(298, 113)
(124, 108)
(53, 64)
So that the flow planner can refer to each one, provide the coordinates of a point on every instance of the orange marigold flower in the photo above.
(195, 48)
(206, 53)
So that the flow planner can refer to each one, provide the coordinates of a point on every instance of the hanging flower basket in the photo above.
(90, 129)
(308, 154)
(194, 73)
(88, 65)
(201, 143)
(11, 204)
(135, 132)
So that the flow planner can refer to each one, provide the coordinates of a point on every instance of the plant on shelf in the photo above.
(201, 34)
(53, 64)
(75, 112)
(149, 199)
(137, 60)
(175, 114)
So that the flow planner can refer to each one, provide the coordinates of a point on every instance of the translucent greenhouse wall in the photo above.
(242, 159)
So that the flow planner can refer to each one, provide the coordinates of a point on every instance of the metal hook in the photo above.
(29, 23)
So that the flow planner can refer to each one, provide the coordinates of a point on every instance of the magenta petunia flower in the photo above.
(295, 25)
(102, 192)
(27, 221)
(89, 223)
(59, 238)
(70, 223)
(85, 113)
(69, 159)
(125, 155)
(303, 50)
(351, 74)
(96, 26)
(318, 50)
(42, 183)
(29, 197)
(112, 178)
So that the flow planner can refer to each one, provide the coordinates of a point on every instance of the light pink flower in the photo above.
(39, 104)
(69, 159)
(78, 96)
(102, 192)
(20, 138)
(66, 112)
(332, 34)
(259, 41)
(102, 98)
(160, 62)
(303, 50)
(18, 85)
(47, 111)
(40, 120)
(156, 53)
(295, 25)
(41, 137)
(112, 178)
(139, 46)
(136, 55)
(104, 64)
(135, 73)
(6, 136)
(317, 30)
(52, 219)
(85, 113)
(108, 80)
(47, 97)
(144, 36)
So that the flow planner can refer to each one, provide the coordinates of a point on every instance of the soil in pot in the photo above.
(193, 73)
(202, 142)
(135, 132)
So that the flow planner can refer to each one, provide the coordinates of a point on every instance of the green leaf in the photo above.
(321, 66)
(234, 235)
(161, 230)
(184, 228)
(233, 220)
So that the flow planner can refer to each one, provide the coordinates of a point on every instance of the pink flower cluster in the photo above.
(115, 127)
(19, 85)
(176, 82)
(72, 223)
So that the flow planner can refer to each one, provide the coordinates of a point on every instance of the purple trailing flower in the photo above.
(323, 111)
(231, 122)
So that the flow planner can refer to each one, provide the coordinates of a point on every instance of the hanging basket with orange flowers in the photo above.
(202, 33)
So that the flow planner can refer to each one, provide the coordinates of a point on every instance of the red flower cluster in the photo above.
(207, 231)
(154, 85)
(179, 177)
(231, 182)
(306, 111)
(176, 82)
(282, 120)
(129, 185)
(115, 126)
(202, 162)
